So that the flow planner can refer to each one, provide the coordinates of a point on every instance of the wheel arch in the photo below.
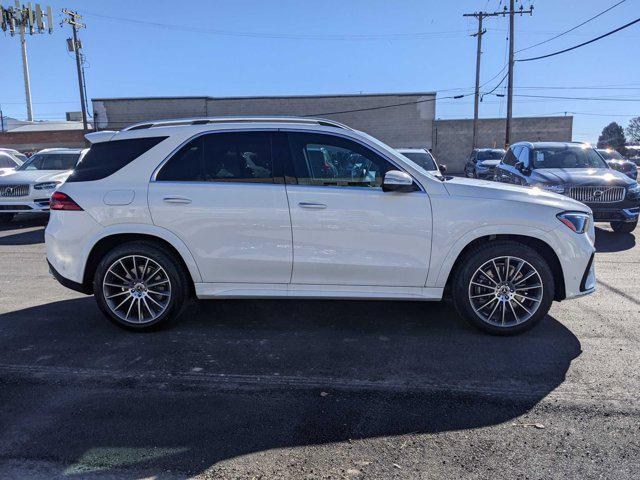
(161, 237)
(539, 245)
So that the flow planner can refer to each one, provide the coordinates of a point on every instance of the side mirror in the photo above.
(397, 181)
(443, 168)
(521, 168)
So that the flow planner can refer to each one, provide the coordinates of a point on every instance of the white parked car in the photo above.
(423, 158)
(10, 160)
(304, 208)
(29, 187)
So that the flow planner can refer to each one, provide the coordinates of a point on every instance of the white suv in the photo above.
(304, 208)
(28, 188)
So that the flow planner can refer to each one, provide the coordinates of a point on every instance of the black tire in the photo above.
(624, 227)
(177, 276)
(6, 217)
(478, 257)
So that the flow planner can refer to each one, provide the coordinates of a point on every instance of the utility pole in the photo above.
(25, 74)
(76, 46)
(512, 13)
(480, 16)
(28, 22)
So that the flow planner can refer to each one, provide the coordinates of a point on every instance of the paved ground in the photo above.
(314, 389)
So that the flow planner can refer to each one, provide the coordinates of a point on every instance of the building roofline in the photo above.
(500, 118)
(337, 95)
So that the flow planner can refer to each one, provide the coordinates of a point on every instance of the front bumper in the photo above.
(576, 254)
(23, 205)
(626, 212)
(486, 174)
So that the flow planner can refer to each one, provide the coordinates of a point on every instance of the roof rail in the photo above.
(207, 120)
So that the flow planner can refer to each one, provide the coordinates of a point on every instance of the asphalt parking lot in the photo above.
(315, 389)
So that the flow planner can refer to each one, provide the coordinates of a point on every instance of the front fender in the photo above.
(439, 274)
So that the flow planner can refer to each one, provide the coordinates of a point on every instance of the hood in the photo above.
(580, 176)
(468, 187)
(489, 163)
(36, 176)
(5, 171)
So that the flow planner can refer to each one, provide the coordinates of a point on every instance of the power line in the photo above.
(582, 44)
(248, 34)
(415, 102)
(604, 99)
(497, 86)
(571, 29)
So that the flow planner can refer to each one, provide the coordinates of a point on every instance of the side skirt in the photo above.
(353, 292)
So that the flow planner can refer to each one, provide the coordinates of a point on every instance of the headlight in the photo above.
(633, 192)
(576, 221)
(549, 187)
(46, 185)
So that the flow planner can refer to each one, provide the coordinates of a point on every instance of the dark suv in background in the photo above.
(482, 162)
(577, 171)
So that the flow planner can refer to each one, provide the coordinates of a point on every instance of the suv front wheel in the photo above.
(503, 287)
(139, 286)
(624, 227)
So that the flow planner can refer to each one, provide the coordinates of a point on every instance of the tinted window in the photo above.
(422, 159)
(511, 157)
(6, 161)
(220, 157)
(105, 158)
(51, 161)
(567, 156)
(610, 155)
(334, 161)
(523, 156)
(496, 154)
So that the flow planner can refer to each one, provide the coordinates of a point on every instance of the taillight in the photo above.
(62, 201)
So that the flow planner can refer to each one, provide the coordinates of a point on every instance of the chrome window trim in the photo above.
(170, 155)
(358, 141)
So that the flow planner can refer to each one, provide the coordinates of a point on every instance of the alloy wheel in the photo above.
(136, 289)
(505, 291)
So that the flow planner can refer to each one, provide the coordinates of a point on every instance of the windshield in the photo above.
(496, 154)
(567, 156)
(610, 154)
(6, 161)
(422, 159)
(51, 161)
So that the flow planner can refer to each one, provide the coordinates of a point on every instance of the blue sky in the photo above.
(251, 47)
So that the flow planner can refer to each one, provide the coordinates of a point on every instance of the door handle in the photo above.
(317, 206)
(177, 200)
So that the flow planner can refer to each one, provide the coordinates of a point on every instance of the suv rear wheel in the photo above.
(139, 286)
(503, 287)
(624, 227)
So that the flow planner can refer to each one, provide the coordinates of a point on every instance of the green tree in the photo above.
(612, 137)
(633, 130)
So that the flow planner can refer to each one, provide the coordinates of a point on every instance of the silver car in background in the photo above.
(29, 187)
(424, 159)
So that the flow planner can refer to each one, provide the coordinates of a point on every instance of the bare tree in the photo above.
(633, 130)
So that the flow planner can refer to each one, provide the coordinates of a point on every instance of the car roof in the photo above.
(487, 149)
(60, 150)
(551, 144)
(176, 122)
(411, 150)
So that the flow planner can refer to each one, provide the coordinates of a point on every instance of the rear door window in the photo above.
(106, 158)
(222, 157)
